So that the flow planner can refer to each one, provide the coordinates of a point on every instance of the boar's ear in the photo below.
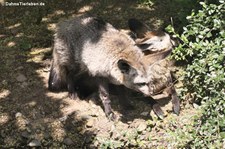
(124, 66)
(138, 27)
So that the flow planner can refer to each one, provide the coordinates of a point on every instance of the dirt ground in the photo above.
(33, 117)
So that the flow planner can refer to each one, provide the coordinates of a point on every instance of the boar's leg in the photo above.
(158, 111)
(104, 96)
(56, 81)
(75, 80)
(71, 85)
(175, 100)
(171, 92)
(156, 108)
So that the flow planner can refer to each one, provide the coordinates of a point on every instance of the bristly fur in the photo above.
(88, 45)
(156, 46)
(162, 85)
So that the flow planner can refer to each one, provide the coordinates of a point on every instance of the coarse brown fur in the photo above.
(154, 43)
(89, 46)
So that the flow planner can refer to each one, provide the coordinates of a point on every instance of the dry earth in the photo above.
(31, 116)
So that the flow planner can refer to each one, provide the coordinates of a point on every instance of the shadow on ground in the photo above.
(29, 114)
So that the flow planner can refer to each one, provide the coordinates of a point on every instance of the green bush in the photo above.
(203, 49)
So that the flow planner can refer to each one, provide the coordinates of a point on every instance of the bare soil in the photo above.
(31, 116)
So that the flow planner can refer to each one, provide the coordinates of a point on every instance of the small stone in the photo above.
(32, 103)
(34, 143)
(88, 139)
(195, 106)
(90, 123)
(68, 141)
(141, 127)
(20, 68)
(96, 143)
(28, 130)
(151, 123)
(142, 137)
(25, 134)
(62, 119)
(79, 128)
(18, 114)
(38, 131)
(133, 142)
(4, 82)
(11, 44)
(21, 78)
(144, 113)
(131, 133)
(74, 122)
(24, 85)
(46, 135)
(42, 128)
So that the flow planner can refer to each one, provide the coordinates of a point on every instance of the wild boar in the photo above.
(88, 45)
